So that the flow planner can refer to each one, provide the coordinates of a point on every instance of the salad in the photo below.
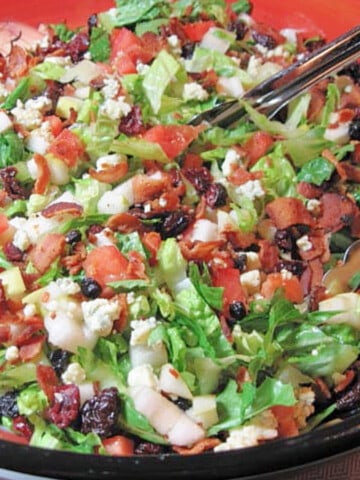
(162, 285)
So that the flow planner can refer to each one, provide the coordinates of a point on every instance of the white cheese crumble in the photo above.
(251, 281)
(110, 88)
(337, 131)
(313, 205)
(28, 118)
(100, 314)
(141, 330)
(304, 244)
(39, 139)
(262, 427)
(5, 120)
(251, 189)
(106, 161)
(29, 310)
(12, 353)
(231, 161)
(21, 240)
(194, 91)
(73, 374)
(67, 286)
(143, 375)
(115, 109)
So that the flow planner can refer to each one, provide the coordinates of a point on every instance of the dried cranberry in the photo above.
(314, 44)
(183, 403)
(92, 22)
(284, 240)
(13, 253)
(8, 405)
(148, 448)
(173, 224)
(100, 413)
(54, 90)
(22, 426)
(296, 267)
(187, 49)
(216, 195)
(60, 360)
(353, 71)
(264, 39)
(199, 177)
(12, 186)
(65, 407)
(349, 399)
(237, 310)
(132, 123)
(78, 46)
(240, 260)
(354, 130)
(239, 27)
(90, 287)
(73, 236)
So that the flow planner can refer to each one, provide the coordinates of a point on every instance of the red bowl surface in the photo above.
(328, 18)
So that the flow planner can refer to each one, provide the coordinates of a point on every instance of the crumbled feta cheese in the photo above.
(304, 244)
(162, 202)
(142, 68)
(28, 118)
(21, 240)
(262, 427)
(35, 226)
(100, 314)
(12, 353)
(348, 88)
(304, 407)
(290, 34)
(41, 103)
(194, 91)
(285, 274)
(143, 375)
(68, 286)
(147, 208)
(61, 61)
(254, 65)
(337, 131)
(231, 161)
(5, 120)
(115, 109)
(251, 189)
(173, 41)
(39, 139)
(141, 330)
(313, 205)
(110, 88)
(74, 374)
(251, 281)
(105, 237)
(3, 91)
(29, 310)
(106, 161)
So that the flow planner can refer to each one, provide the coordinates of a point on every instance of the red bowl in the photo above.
(330, 18)
(283, 457)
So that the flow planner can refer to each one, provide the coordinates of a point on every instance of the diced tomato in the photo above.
(257, 146)
(106, 264)
(291, 285)
(192, 160)
(196, 30)
(173, 139)
(55, 124)
(68, 147)
(127, 49)
(119, 446)
(229, 279)
(286, 424)
(4, 223)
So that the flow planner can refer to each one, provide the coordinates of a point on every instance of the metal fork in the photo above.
(274, 93)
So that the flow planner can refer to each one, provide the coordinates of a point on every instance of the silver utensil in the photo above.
(337, 279)
(274, 93)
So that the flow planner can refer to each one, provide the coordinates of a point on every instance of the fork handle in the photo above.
(272, 94)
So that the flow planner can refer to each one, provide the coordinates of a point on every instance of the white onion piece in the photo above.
(172, 383)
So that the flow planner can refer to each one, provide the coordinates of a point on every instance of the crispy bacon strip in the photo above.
(112, 174)
(288, 211)
(62, 208)
(124, 222)
(199, 447)
(43, 179)
(46, 251)
(338, 211)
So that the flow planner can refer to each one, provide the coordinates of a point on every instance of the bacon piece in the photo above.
(111, 174)
(32, 349)
(146, 187)
(268, 255)
(288, 211)
(43, 179)
(338, 211)
(308, 190)
(62, 208)
(199, 447)
(18, 62)
(124, 223)
(47, 380)
(200, 251)
(49, 247)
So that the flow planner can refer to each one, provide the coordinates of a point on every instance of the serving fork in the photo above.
(274, 93)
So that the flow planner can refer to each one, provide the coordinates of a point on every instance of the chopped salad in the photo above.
(162, 285)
